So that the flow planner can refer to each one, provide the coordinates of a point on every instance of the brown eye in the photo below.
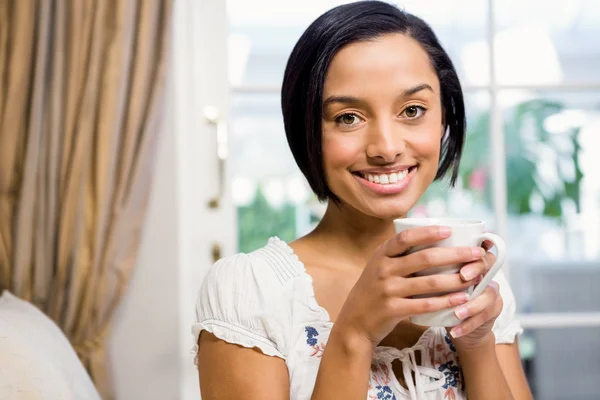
(348, 119)
(413, 112)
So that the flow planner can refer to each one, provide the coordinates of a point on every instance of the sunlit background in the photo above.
(534, 122)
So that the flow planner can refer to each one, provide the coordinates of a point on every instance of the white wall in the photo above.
(144, 347)
(151, 339)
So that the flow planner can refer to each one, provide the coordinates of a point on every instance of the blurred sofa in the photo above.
(37, 361)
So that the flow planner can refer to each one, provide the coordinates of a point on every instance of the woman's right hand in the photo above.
(383, 295)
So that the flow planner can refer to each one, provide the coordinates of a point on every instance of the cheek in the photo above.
(339, 151)
(427, 144)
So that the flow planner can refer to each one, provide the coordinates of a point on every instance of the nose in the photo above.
(384, 144)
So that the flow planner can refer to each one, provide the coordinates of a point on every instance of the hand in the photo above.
(480, 313)
(382, 296)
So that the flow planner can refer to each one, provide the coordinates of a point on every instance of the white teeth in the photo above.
(385, 179)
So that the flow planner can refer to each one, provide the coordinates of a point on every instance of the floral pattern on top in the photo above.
(311, 339)
(380, 375)
(447, 363)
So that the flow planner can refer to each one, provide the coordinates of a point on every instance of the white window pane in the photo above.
(269, 192)
(260, 41)
(547, 42)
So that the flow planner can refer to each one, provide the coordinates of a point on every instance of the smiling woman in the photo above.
(374, 113)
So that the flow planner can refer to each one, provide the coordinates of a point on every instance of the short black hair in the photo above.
(304, 78)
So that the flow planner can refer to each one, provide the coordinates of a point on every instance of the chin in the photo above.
(391, 208)
(385, 208)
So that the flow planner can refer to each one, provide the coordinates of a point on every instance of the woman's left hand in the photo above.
(479, 314)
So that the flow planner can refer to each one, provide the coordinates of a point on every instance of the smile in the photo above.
(385, 179)
(391, 182)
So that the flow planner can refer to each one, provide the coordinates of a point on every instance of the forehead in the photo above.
(394, 61)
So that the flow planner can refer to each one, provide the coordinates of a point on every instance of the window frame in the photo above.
(498, 166)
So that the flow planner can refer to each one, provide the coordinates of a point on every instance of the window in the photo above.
(530, 72)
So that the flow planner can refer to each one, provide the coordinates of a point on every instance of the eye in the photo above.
(348, 119)
(414, 112)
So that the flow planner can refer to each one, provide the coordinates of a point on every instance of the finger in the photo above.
(480, 267)
(477, 305)
(433, 284)
(477, 312)
(431, 304)
(438, 257)
(420, 236)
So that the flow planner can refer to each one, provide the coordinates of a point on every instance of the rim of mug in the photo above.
(438, 221)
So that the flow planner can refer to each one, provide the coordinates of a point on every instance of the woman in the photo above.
(373, 113)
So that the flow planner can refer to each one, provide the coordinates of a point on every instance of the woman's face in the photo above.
(382, 125)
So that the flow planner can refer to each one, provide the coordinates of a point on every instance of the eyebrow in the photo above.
(417, 89)
(341, 99)
(355, 100)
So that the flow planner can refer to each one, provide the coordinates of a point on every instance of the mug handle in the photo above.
(500, 257)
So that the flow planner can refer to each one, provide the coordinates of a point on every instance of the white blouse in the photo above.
(266, 300)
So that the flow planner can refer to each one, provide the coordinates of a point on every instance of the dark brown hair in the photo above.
(304, 77)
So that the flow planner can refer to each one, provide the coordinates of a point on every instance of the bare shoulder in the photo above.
(229, 371)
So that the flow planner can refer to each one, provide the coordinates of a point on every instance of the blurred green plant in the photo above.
(258, 221)
(543, 173)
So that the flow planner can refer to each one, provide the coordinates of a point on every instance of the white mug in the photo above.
(465, 232)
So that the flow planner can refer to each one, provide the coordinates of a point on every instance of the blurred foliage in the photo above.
(258, 221)
(541, 166)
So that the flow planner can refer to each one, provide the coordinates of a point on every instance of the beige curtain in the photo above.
(81, 98)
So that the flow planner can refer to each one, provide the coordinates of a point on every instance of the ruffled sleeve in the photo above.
(241, 301)
(507, 327)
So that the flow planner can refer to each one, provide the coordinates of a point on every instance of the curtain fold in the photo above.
(81, 100)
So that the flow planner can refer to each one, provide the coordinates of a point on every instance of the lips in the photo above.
(387, 181)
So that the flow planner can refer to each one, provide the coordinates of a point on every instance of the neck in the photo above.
(351, 235)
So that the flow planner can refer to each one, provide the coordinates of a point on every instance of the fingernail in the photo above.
(468, 273)
(445, 231)
(456, 332)
(478, 252)
(462, 297)
(461, 312)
